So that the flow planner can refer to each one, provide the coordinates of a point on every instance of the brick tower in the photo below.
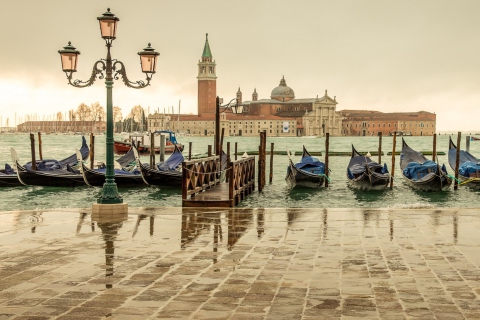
(207, 81)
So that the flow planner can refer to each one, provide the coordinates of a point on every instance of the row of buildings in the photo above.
(284, 115)
(281, 115)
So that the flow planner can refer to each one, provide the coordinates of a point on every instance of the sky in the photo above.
(390, 56)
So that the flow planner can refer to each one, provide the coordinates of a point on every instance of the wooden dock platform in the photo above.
(202, 185)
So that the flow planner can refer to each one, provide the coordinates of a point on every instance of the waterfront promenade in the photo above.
(174, 263)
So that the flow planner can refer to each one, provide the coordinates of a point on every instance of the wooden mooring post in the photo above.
(434, 152)
(457, 160)
(189, 151)
(162, 147)
(380, 148)
(32, 148)
(262, 160)
(327, 147)
(152, 149)
(236, 151)
(92, 151)
(209, 153)
(271, 163)
(40, 154)
(467, 146)
(392, 173)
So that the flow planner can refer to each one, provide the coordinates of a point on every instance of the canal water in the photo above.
(275, 195)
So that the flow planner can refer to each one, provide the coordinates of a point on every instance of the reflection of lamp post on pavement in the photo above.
(148, 60)
(109, 224)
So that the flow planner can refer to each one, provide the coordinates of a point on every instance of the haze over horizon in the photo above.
(395, 56)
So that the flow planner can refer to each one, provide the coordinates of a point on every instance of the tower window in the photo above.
(211, 70)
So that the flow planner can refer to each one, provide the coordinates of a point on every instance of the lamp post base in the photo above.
(109, 209)
(109, 194)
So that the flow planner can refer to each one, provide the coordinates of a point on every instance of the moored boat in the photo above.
(164, 173)
(365, 174)
(422, 174)
(309, 172)
(49, 172)
(142, 142)
(123, 178)
(468, 168)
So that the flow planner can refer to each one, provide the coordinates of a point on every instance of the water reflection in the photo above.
(369, 196)
(238, 223)
(455, 227)
(140, 218)
(109, 224)
(35, 220)
(260, 222)
(200, 224)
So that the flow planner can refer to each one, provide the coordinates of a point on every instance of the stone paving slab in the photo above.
(174, 263)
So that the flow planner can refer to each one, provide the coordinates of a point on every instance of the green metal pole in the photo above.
(109, 192)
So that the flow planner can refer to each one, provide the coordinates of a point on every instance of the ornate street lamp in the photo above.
(148, 60)
(235, 107)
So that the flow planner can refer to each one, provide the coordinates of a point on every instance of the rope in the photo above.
(468, 181)
(453, 178)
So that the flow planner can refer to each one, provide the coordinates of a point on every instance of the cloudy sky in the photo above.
(397, 55)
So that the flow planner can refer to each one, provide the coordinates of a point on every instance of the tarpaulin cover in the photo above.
(311, 164)
(172, 162)
(416, 170)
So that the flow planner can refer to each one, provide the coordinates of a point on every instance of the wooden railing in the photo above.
(199, 175)
(241, 179)
(202, 174)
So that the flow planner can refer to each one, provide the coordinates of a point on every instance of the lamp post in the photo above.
(148, 60)
(235, 107)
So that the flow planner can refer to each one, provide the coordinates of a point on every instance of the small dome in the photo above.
(282, 92)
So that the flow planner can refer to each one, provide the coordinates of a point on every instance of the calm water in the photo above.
(275, 195)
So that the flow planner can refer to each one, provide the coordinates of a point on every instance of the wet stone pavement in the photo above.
(174, 263)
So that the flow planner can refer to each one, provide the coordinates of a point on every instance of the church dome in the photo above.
(282, 92)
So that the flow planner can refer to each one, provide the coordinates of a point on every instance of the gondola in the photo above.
(50, 173)
(422, 174)
(365, 174)
(8, 177)
(123, 177)
(469, 166)
(49, 178)
(309, 172)
(164, 173)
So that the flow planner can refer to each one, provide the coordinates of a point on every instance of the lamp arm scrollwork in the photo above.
(131, 84)
(96, 72)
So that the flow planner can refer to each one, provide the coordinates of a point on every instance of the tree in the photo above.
(136, 113)
(71, 115)
(117, 114)
(59, 116)
(83, 112)
(97, 112)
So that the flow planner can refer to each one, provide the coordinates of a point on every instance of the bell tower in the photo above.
(207, 81)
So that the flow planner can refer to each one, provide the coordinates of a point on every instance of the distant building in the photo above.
(281, 115)
(368, 123)
(62, 126)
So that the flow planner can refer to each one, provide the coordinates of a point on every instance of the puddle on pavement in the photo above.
(176, 262)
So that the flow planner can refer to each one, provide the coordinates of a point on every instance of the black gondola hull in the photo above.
(97, 179)
(9, 180)
(300, 178)
(56, 178)
(155, 177)
(435, 183)
(372, 182)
